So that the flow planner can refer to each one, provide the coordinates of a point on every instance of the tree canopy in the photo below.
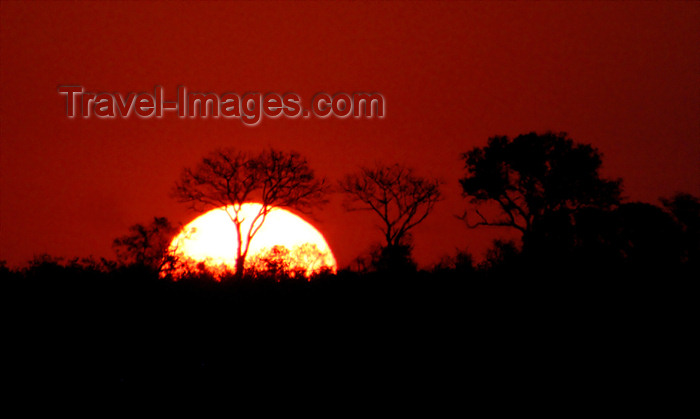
(537, 181)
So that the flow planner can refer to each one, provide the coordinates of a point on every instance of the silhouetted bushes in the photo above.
(96, 323)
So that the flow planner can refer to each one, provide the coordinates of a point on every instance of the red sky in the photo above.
(624, 77)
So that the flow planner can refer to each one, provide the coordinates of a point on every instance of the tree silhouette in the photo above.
(274, 262)
(634, 236)
(685, 208)
(301, 261)
(401, 199)
(650, 236)
(537, 181)
(228, 178)
(146, 245)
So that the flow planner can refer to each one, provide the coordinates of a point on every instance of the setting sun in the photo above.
(211, 238)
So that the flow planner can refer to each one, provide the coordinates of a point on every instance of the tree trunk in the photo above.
(240, 260)
(240, 256)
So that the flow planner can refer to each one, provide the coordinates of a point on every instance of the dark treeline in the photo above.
(91, 324)
(594, 286)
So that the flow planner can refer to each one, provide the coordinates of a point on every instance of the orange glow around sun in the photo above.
(211, 238)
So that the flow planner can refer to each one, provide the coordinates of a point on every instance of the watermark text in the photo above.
(250, 108)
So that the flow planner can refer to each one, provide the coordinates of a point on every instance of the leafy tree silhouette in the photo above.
(538, 183)
(228, 178)
(632, 237)
(146, 245)
(650, 236)
(401, 199)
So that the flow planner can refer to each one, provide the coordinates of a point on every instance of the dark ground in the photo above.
(443, 335)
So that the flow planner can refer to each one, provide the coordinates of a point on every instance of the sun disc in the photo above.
(211, 238)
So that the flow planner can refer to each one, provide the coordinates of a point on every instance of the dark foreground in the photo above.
(371, 335)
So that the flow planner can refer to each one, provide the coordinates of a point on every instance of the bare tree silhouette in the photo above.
(228, 178)
(401, 199)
